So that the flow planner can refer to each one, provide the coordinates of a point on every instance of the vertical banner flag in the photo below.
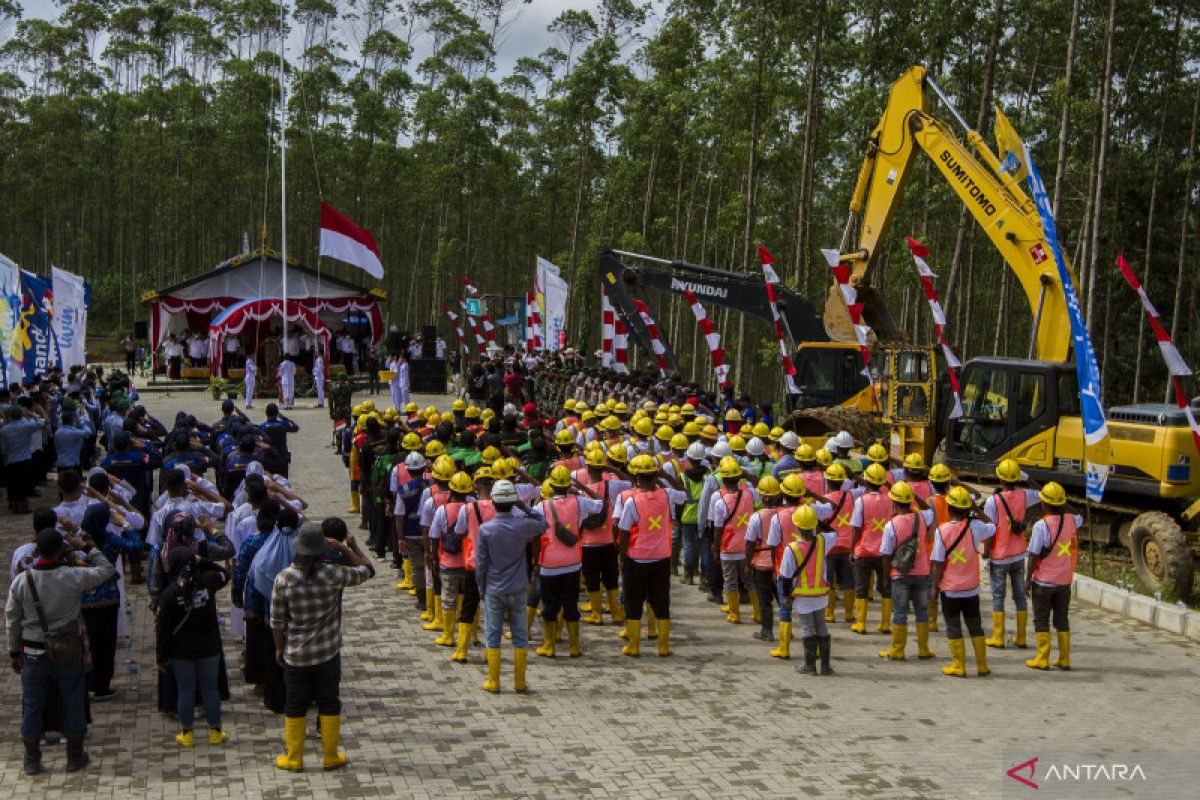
(608, 318)
(533, 319)
(552, 293)
(656, 344)
(489, 330)
(1175, 363)
(345, 241)
(715, 351)
(35, 329)
(480, 342)
(70, 316)
(841, 274)
(462, 340)
(10, 319)
(1097, 452)
(919, 253)
(771, 278)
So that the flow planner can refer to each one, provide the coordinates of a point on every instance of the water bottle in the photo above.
(133, 670)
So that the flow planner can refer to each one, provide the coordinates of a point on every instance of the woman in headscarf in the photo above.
(260, 648)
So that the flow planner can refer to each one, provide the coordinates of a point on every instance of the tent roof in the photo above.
(257, 274)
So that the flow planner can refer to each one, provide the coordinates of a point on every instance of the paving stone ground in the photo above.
(720, 718)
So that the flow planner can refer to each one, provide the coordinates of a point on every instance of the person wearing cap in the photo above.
(761, 557)
(564, 443)
(789, 443)
(501, 573)
(914, 473)
(306, 623)
(729, 513)
(803, 588)
(733, 422)
(911, 518)
(841, 493)
(58, 584)
(1008, 507)
(810, 470)
(1053, 549)
(871, 513)
(955, 562)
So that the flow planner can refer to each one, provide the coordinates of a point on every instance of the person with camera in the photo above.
(44, 638)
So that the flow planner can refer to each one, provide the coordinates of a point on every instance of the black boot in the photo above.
(33, 756)
(824, 641)
(77, 757)
(809, 667)
(689, 575)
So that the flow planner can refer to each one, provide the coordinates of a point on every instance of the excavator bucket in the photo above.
(874, 314)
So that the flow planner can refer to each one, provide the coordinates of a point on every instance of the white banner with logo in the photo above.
(10, 317)
(70, 317)
(552, 293)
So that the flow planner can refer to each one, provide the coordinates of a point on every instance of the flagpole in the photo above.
(283, 167)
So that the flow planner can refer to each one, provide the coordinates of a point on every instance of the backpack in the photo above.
(381, 474)
(451, 541)
(904, 557)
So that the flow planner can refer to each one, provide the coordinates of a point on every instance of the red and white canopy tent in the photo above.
(192, 304)
(233, 320)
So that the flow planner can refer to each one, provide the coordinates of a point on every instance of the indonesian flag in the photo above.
(345, 241)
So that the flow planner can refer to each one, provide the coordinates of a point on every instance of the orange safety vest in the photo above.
(941, 509)
(1057, 567)
(764, 556)
(598, 537)
(451, 560)
(573, 463)
(840, 521)
(554, 553)
(961, 573)
(811, 581)
(902, 526)
(650, 538)
(733, 534)
(1007, 543)
(814, 481)
(876, 511)
(483, 511)
(921, 489)
(788, 533)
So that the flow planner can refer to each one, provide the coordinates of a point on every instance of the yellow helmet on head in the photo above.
(1008, 471)
(737, 444)
(793, 485)
(458, 405)
(368, 405)
(484, 473)
(709, 432)
(461, 483)
(643, 427)
(472, 412)
(877, 453)
(501, 470)
(443, 468)
(914, 462)
(611, 423)
(411, 442)
(875, 474)
(569, 404)
(489, 455)
(733, 415)
(901, 492)
(691, 429)
(434, 449)
(768, 486)
(679, 442)
(560, 477)
(486, 414)
(958, 497)
(643, 465)
(594, 457)
(804, 518)
(620, 409)
(761, 430)
(687, 409)
(564, 438)
(581, 407)
(775, 433)
(617, 453)
(939, 473)
(664, 433)
(411, 408)
(835, 474)
(824, 457)
(805, 454)
(1052, 494)
(587, 416)
(729, 468)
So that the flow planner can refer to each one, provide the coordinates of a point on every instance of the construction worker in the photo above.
(433, 497)
(940, 481)
(729, 513)
(914, 474)
(955, 560)
(662, 442)
(448, 544)
(1053, 548)
(783, 530)
(477, 512)
(871, 514)
(804, 589)
(564, 443)
(672, 457)
(694, 552)
(841, 494)
(1008, 507)
(760, 463)
(787, 463)
(733, 422)
(908, 582)
(842, 443)
(762, 557)
(645, 535)
(600, 567)
(810, 470)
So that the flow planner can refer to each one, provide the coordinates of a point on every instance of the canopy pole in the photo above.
(283, 168)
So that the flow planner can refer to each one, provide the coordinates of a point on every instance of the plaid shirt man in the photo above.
(309, 612)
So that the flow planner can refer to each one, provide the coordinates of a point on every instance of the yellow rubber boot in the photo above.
(784, 649)
(435, 620)
(923, 650)
(899, 640)
(885, 615)
(633, 633)
(597, 616)
(848, 603)
(520, 661)
(353, 509)
(573, 648)
(331, 729)
(651, 623)
(618, 610)
(427, 614)
(530, 617)
(1042, 659)
(664, 637)
(997, 637)
(734, 601)
(958, 659)
(492, 684)
(293, 742)
(933, 612)
(860, 617)
(1018, 639)
(830, 606)
(464, 641)
(981, 665)
(549, 634)
(587, 605)
(1064, 650)
(406, 575)
(447, 637)
(755, 610)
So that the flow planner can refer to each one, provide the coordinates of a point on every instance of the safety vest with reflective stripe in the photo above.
(840, 521)
(451, 560)
(764, 556)
(733, 534)
(1057, 567)
(876, 511)
(788, 533)
(811, 581)
(482, 509)
(554, 553)
(961, 572)
(902, 526)
(650, 538)
(690, 515)
(1008, 544)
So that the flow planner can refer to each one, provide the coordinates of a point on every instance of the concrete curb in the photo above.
(1139, 607)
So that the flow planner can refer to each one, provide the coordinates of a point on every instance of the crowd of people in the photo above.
(301, 348)
(192, 509)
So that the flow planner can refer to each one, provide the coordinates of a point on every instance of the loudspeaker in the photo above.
(141, 329)
(429, 341)
(427, 375)
(429, 333)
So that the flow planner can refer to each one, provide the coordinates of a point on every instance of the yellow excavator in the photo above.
(1026, 409)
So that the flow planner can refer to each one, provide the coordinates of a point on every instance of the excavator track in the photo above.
(827, 421)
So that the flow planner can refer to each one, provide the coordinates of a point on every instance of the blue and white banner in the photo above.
(1097, 454)
(70, 316)
(35, 350)
(10, 315)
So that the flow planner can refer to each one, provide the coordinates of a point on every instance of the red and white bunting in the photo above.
(716, 352)
(656, 343)
(489, 330)
(841, 274)
(608, 318)
(1175, 363)
(480, 342)
(926, 275)
(772, 278)
(462, 340)
(533, 323)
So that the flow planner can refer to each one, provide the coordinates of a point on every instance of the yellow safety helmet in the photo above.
(484, 473)
(500, 470)
(513, 462)
(560, 477)
(768, 486)
(1008, 471)
(609, 404)
(433, 419)
(581, 407)
(643, 427)
(611, 423)
(472, 412)
(703, 420)
(761, 430)
(901, 492)
(679, 442)
(489, 455)
(618, 453)
(547, 489)
(594, 457)
(737, 444)
(675, 421)
(461, 483)
(411, 442)
(824, 457)
(430, 411)
(665, 433)
(486, 414)
(443, 468)
(914, 462)
(620, 408)
(960, 498)
(587, 416)
(564, 438)
(877, 453)
(357, 411)
(940, 473)
(793, 485)
(661, 418)
(434, 449)
(645, 465)
(411, 408)
(686, 409)
(835, 474)
(458, 405)
(569, 404)
(1051, 494)
(673, 408)
(733, 415)
(806, 454)
(709, 432)
(691, 429)
(775, 433)
(729, 468)
(804, 518)
(875, 474)
(368, 405)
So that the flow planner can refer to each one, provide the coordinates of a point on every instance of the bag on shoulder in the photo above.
(63, 646)
(1017, 526)
(904, 557)
(562, 532)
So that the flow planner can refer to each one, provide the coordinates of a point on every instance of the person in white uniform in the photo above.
(402, 379)
(251, 369)
(286, 372)
(318, 376)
